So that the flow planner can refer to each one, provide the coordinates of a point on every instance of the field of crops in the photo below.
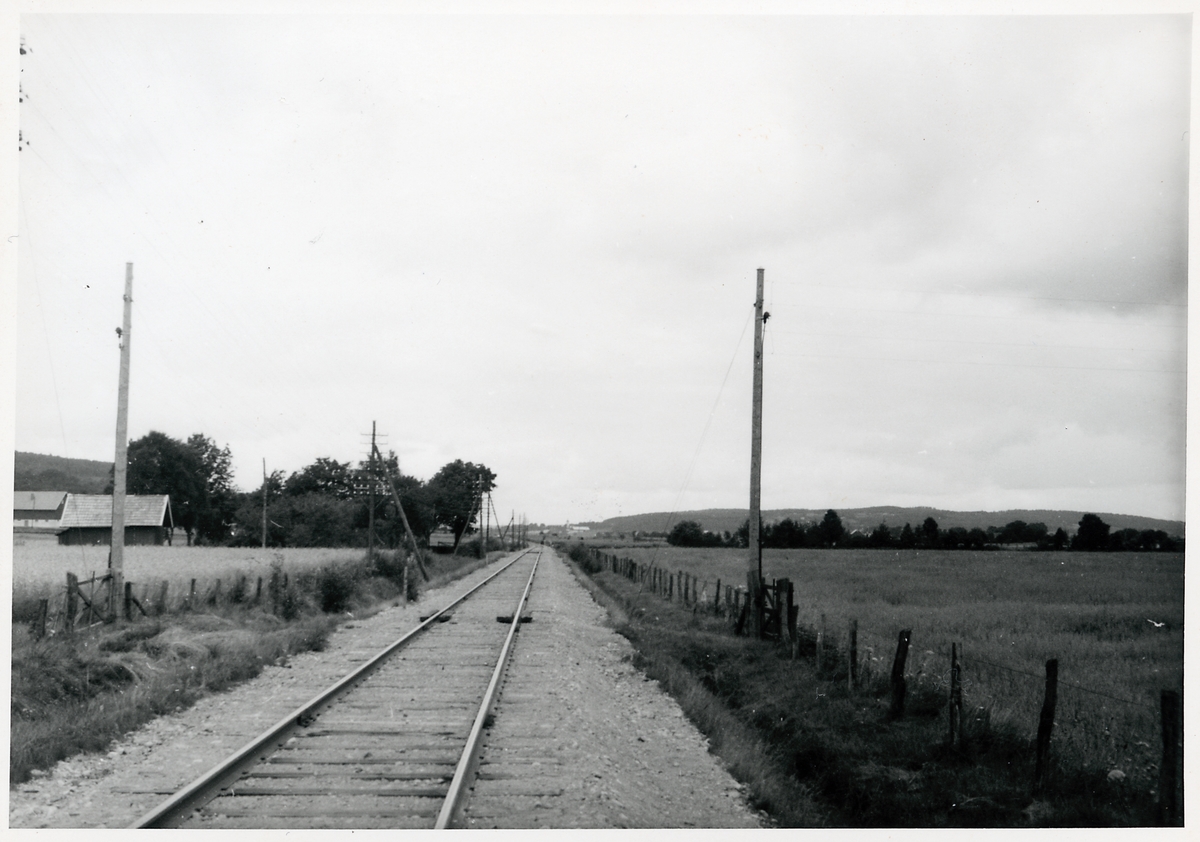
(40, 566)
(1114, 621)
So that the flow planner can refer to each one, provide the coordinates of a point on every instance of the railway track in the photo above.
(394, 744)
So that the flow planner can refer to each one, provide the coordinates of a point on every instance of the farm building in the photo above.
(37, 511)
(441, 541)
(87, 519)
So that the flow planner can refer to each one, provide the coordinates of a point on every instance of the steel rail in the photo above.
(229, 769)
(464, 773)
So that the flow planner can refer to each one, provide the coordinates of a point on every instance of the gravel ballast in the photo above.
(580, 737)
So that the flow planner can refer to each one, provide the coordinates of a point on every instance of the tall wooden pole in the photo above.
(371, 498)
(117, 557)
(754, 561)
(264, 529)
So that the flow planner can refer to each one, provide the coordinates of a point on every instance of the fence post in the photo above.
(72, 603)
(820, 643)
(793, 611)
(1170, 802)
(127, 601)
(717, 600)
(160, 607)
(898, 685)
(852, 654)
(39, 622)
(1046, 725)
(955, 699)
(258, 591)
(191, 599)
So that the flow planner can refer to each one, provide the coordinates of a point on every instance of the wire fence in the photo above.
(1137, 741)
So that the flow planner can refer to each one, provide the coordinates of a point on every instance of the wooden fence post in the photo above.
(160, 606)
(820, 643)
(1046, 726)
(127, 602)
(39, 622)
(72, 603)
(793, 612)
(1170, 801)
(852, 655)
(956, 724)
(717, 600)
(191, 600)
(258, 591)
(898, 685)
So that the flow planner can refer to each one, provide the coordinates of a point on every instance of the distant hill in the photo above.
(38, 472)
(720, 520)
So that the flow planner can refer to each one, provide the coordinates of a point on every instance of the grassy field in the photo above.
(1113, 621)
(38, 562)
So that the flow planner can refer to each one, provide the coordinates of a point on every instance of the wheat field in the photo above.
(40, 565)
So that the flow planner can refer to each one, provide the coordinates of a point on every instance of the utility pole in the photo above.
(754, 561)
(116, 559)
(264, 531)
(371, 498)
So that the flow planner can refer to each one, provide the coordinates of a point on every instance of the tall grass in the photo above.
(866, 768)
(1114, 621)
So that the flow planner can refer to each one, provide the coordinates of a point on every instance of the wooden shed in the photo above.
(87, 519)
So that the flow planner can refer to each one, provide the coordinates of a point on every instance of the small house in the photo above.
(87, 519)
(37, 511)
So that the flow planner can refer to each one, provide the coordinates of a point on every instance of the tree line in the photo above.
(1093, 534)
(325, 504)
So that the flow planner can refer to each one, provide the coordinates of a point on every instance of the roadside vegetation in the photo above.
(77, 692)
(797, 736)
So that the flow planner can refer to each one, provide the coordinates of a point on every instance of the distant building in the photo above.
(87, 519)
(37, 511)
(441, 541)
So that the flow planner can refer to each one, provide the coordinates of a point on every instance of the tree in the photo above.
(908, 538)
(324, 476)
(929, 532)
(786, 535)
(216, 513)
(159, 464)
(686, 533)
(830, 530)
(1092, 534)
(1060, 538)
(414, 497)
(454, 493)
(881, 536)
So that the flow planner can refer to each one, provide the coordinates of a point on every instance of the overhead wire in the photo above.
(687, 478)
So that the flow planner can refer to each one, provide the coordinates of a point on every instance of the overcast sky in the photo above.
(531, 242)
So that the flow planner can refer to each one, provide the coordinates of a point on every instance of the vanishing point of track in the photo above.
(394, 744)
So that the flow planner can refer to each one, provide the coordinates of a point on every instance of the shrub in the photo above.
(335, 588)
(585, 558)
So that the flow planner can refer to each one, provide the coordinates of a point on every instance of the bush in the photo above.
(585, 558)
(335, 588)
